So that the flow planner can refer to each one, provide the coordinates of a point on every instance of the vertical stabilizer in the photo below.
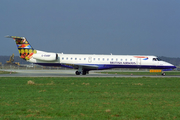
(26, 51)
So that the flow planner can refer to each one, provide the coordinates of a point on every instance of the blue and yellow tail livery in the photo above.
(25, 49)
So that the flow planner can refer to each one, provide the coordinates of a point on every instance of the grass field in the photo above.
(5, 72)
(90, 98)
(174, 73)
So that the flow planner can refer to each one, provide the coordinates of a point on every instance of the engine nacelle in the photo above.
(46, 56)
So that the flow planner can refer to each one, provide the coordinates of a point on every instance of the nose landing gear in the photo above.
(163, 74)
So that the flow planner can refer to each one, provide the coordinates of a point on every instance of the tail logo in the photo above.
(23, 46)
(144, 58)
(25, 49)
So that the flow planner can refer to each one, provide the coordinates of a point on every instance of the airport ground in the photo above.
(62, 72)
(53, 93)
(89, 98)
(42, 71)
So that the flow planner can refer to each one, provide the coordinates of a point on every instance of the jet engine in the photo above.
(46, 56)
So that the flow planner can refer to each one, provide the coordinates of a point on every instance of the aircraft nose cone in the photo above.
(168, 65)
(173, 67)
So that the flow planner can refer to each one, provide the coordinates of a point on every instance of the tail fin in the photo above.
(26, 51)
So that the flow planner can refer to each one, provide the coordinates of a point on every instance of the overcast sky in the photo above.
(123, 27)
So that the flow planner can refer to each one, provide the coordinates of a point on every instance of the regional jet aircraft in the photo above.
(86, 62)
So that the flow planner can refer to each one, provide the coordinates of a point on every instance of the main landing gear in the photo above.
(77, 73)
(83, 72)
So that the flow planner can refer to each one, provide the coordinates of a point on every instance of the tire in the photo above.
(77, 73)
(163, 74)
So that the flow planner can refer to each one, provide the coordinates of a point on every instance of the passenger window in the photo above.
(94, 59)
(98, 58)
(107, 59)
(84, 58)
(112, 59)
(79, 58)
(66, 58)
(103, 59)
(126, 59)
(71, 58)
(130, 59)
(116, 59)
(75, 58)
(62, 58)
(121, 59)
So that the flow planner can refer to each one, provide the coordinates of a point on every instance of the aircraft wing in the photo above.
(83, 66)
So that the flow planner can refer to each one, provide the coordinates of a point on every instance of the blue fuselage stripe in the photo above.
(107, 66)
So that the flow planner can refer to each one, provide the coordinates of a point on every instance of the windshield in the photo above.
(156, 59)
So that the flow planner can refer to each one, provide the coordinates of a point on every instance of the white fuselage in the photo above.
(94, 62)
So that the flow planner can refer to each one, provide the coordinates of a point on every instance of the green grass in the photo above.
(168, 73)
(6, 72)
(90, 98)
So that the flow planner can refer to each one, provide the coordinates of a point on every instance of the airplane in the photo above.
(86, 62)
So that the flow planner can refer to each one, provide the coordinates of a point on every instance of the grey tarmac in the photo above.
(64, 73)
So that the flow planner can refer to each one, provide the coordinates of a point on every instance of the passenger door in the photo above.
(89, 59)
(138, 61)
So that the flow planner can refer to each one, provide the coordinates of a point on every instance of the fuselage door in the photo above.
(138, 61)
(89, 59)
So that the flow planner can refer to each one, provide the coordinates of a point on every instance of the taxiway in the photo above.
(64, 73)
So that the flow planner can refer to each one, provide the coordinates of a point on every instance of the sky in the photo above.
(120, 27)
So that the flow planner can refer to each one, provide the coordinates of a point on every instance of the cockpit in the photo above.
(157, 59)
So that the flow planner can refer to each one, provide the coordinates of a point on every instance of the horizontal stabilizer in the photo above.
(16, 37)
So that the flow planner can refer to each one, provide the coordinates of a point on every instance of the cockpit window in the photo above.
(159, 59)
(156, 59)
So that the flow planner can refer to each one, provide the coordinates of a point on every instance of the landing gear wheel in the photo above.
(163, 73)
(77, 73)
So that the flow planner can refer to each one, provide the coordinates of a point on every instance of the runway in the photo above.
(64, 73)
